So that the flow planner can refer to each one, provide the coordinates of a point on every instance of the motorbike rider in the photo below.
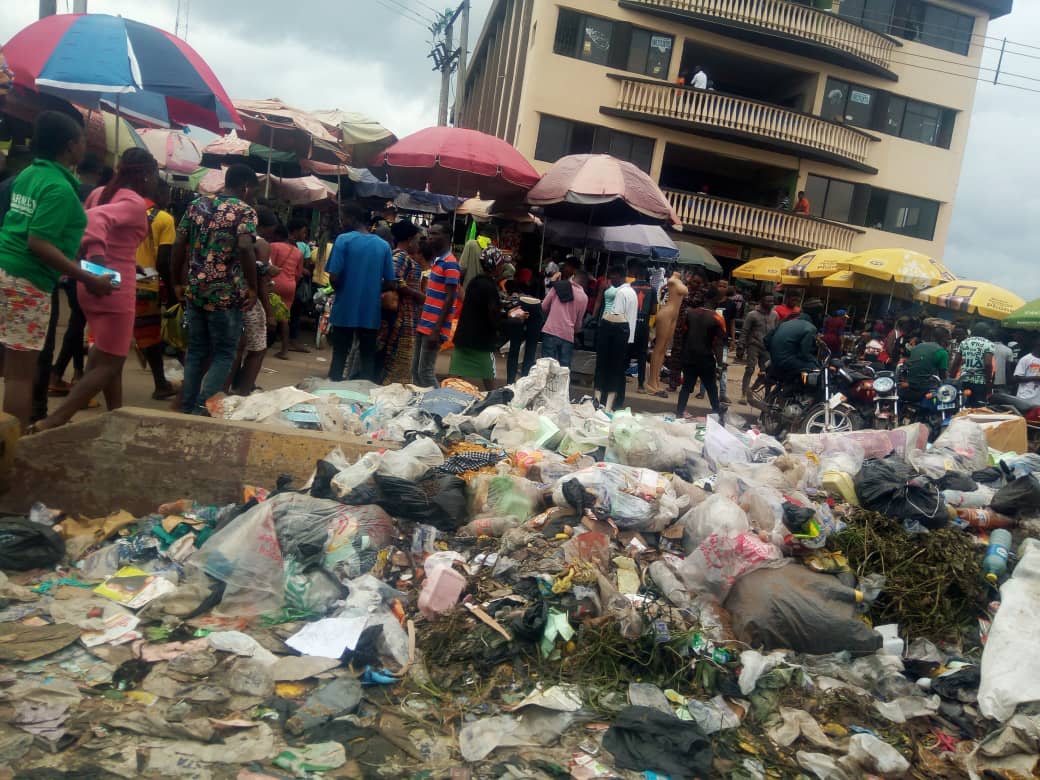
(927, 360)
(792, 345)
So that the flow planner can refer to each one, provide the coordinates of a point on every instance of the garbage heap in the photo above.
(529, 588)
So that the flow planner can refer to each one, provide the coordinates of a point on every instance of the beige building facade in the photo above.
(736, 106)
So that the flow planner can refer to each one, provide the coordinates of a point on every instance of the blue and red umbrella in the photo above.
(148, 73)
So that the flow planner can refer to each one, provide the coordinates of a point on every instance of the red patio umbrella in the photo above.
(456, 161)
(601, 190)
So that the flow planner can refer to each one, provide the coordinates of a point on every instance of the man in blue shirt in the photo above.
(360, 268)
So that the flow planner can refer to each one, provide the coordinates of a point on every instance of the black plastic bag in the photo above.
(642, 738)
(991, 475)
(321, 486)
(798, 609)
(1019, 495)
(440, 501)
(796, 518)
(953, 480)
(26, 545)
(893, 488)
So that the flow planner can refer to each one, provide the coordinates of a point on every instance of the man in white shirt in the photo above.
(1027, 376)
(1003, 356)
(700, 78)
(616, 332)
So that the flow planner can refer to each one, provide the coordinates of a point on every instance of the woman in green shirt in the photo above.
(39, 241)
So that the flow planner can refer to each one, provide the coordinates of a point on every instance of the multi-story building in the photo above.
(863, 104)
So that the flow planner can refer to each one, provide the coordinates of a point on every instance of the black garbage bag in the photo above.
(954, 480)
(26, 545)
(643, 738)
(798, 609)
(321, 486)
(1017, 496)
(992, 476)
(439, 501)
(796, 518)
(893, 488)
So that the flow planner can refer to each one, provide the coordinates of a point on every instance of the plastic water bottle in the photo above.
(995, 564)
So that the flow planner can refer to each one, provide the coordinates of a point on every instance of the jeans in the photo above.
(213, 337)
(611, 360)
(702, 368)
(560, 350)
(43, 364)
(424, 362)
(640, 348)
(526, 333)
(342, 340)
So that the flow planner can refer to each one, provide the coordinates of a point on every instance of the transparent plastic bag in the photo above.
(636, 499)
(965, 442)
(412, 461)
(765, 511)
(357, 473)
(504, 495)
(718, 515)
(645, 441)
(722, 446)
(354, 538)
(721, 560)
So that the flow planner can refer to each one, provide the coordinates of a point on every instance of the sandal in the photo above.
(59, 389)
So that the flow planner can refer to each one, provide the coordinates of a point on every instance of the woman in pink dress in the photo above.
(286, 269)
(117, 223)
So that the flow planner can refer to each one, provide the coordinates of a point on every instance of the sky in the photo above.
(370, 56)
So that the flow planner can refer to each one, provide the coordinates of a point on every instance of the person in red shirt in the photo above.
(789, 309)
(802, 206)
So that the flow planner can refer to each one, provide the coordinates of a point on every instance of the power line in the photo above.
(406, 9)
(404, 15)
(430, 8)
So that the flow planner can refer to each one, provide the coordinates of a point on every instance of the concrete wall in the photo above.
(137, 459)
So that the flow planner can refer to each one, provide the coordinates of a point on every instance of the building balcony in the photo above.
(784, 25)
(742, 120)
(758, 225)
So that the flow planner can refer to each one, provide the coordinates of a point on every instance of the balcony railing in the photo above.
(732, 114)
(783, 228)
(791, 20)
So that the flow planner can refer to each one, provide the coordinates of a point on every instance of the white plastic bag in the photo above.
(718, 515)
(1010, 663)
(636, 499)
(412, 461)
(546, 388)
(722, 447)
(965, 442)
(357, 473)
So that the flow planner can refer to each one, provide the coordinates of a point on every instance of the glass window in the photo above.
(659, 56)
(816, 192)
(554, 139)
(907, 215)
(839, 201)
(946, 29)
(913, 20)
(595, 41)
(921, 122)
(894, 115)
(559, 137)
(567, 28)
(859, 108)
(834, 98)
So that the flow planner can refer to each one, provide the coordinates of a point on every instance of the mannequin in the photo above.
(667, 316)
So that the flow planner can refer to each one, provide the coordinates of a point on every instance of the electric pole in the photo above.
(460, 79)
(79, 6)
(48, 8)
(445, 57)
(446, 68)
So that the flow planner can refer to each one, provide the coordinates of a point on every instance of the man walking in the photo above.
(215, 254)
(360, 267)
(759, 323)
(439, 310)
(702, 351)
(564, 307)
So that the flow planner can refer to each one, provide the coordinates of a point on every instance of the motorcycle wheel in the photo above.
(772, 419)
(843, 419)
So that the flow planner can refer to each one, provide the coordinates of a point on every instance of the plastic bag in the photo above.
(302, 525)
(522, 430)
(722, 560)
(765, 512)
(718, 515)
(643, 441)
(313, 591)
(636, 499)
(174, 330)
(834, 452)
(412, 461)
(504, 495)
(358, 473)
(546, 388)
(722, 446)
(245, 555)
(794, 608)
(890, 487)
(965, 442)
(437, 501)
(1018, 496)
(355, 537)
(26, 545)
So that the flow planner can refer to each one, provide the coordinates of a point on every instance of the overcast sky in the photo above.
(372, 59)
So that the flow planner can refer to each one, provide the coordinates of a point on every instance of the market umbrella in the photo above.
(1024, 318)
(601, 190)
(364, 137)
(287, 129)
(638, 240)
(901, 266)
(762, 269)
(486, 210)
(982, 298)
(175, 150)
(818, 264)
(455, 161)
(145, 72)
(694, 254)
(108, 135)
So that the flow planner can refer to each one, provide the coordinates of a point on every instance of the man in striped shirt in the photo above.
(439, 309)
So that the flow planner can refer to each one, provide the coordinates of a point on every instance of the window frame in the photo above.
(886, 210)
(599, 138)
(619, 52)
(908, 19)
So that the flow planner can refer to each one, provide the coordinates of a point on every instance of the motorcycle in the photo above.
(813, 402)
(936, 407)
(1012, 404)
(887, 403)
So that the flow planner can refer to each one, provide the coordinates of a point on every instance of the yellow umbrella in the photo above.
(983, 298)
(814, 265)
(762, 269)
(849, 280)
(901, 266)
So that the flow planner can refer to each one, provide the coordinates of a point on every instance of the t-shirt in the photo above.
(700, 80)
(646, 298)
(626, 305)
(1029, 366)
(1002, 355)
(563, 318)
(703, 332)
(926, 360)
(211, 227)
(45, 204)
(479, 319)
(973, 351)
(785, 312)
(444, 273)
(361, 262)
(162, 231)
(289, 260)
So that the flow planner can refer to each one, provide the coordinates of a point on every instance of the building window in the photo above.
(914, 20)
(559, 137)
(614, 44)
(866, 206)
(887, 113)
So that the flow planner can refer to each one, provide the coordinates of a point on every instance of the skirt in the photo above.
(472, 363)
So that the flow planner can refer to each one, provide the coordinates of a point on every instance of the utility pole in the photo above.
(79, 6)
(446, 68)
(48, 8)
(445, 57)
(460, 79)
